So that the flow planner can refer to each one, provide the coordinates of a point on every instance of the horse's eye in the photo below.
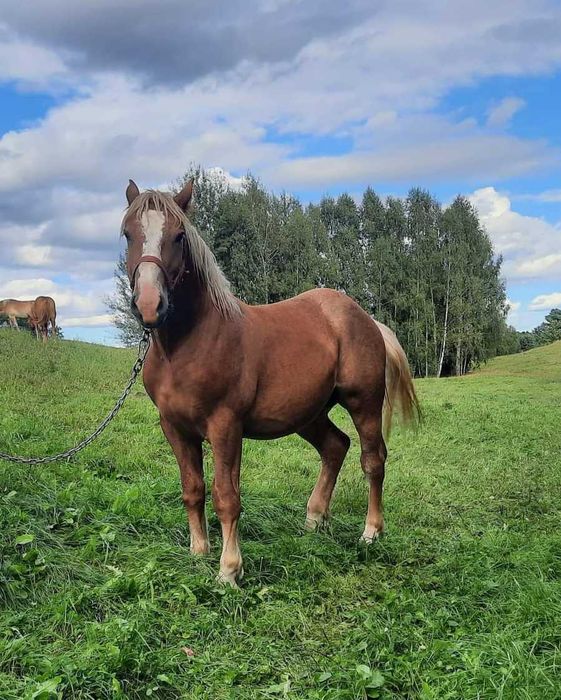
(126, 235)
(180, 236)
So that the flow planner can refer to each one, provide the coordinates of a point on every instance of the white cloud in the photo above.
(547, 196)
(545, 302)
(234, 183)
(513, 316)
(541, 267)
(33, 255)
(530, 245)
(100, 320)
(441, 155)
(30, 65)
(500, 114)
(376, 83)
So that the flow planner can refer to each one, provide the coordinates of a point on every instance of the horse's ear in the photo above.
(183, 198)
(132, 192)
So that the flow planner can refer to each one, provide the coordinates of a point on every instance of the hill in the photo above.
(543, 362)
(100, 598)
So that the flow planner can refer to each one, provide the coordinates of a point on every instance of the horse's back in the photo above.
(14, 307)
(333, 310)
(325, 314)
(43, 310)
(46, 305)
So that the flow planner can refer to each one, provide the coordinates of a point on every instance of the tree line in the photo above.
(547, 332)
(427, 271)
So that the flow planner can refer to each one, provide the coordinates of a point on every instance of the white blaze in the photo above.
(152, 223)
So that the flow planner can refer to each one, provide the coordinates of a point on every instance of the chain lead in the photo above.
(143, 346)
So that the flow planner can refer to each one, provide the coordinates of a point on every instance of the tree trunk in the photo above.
(445, 329)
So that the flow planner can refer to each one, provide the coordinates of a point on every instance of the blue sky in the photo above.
(312, 97)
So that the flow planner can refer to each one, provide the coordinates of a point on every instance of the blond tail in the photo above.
(400, 390)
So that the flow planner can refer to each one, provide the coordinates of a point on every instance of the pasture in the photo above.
(100, 598)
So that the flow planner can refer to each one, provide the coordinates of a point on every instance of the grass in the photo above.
(99, 597)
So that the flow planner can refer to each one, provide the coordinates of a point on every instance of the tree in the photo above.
(527, 340)
(119, 304)
(429, 274)
(550, 329)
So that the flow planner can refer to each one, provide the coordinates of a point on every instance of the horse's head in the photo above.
(154, 226)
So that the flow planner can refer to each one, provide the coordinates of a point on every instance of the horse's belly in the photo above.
(286, 408)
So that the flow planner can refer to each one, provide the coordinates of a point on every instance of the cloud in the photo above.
(502, 112)
(101, 320)
(513, 316)
(222, 176)
(172, 43)
(33, 255)
(547, 196)
(150, 88)
(545, 302)
(530, 245)
(440, 156)
(23, 61)
(541, 267)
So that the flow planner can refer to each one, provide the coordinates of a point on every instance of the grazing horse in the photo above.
(14, 309)
(43, 312)
(221, 370)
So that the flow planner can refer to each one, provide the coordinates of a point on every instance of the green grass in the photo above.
(460, 599)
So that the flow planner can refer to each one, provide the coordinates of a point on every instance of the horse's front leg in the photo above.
(225, 437)
(189, 454)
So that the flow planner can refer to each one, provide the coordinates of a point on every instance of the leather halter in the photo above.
(157, 261)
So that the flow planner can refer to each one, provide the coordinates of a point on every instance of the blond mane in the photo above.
(202, 257)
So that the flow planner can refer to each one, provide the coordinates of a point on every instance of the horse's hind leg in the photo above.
(367, 417)
(332, 445)
(225, 437)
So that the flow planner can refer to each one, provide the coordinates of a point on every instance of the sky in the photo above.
(313, 97)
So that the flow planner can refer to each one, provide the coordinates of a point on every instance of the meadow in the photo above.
(100, 598)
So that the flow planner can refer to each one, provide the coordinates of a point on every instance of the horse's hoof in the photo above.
(230, 579)
(200, 550)
(369, 537)
(315, 523)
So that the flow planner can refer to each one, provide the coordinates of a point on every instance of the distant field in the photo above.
(99, 597)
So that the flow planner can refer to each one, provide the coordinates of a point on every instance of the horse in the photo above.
(221, 370)
(14, 309)
(43, 312)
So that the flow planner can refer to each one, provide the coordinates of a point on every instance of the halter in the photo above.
(158, 261)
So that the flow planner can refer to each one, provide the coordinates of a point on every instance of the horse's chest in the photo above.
(178, 399)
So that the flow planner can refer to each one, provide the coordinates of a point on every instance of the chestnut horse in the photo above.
(43, 312)
(14, 309)
(220, 370)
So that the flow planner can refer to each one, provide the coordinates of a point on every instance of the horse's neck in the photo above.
(191, 309)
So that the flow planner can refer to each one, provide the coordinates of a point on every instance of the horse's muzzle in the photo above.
(151, 312)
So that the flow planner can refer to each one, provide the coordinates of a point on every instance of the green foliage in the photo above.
(119, 304)
(429, 274)
(550, 329)
(101, 599)
(547, 332)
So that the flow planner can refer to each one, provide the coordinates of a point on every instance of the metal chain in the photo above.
(143, 347)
